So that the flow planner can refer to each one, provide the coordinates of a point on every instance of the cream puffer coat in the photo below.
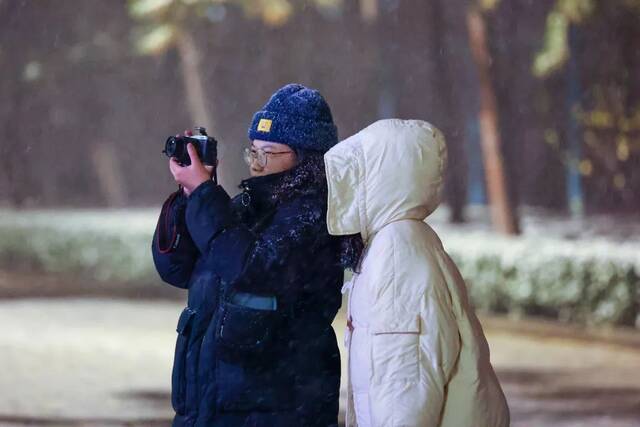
(428, 356)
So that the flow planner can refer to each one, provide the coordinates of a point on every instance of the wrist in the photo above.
(201, 187)
(197, 184)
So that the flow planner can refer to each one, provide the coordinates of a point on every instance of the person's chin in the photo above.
(255, 172)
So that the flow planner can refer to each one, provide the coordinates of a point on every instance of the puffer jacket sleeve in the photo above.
(174, 253)
(439, 351)
(414, 357)
(253, 262)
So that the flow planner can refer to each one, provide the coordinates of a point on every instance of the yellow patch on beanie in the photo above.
(264, 125)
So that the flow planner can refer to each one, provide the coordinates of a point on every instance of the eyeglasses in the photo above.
(260, 156)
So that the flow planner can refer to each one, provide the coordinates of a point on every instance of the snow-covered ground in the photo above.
(100, 362)
(86, 359)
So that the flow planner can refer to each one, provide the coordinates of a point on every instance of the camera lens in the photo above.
(171, 147)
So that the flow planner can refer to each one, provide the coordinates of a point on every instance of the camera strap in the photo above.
(168, 238)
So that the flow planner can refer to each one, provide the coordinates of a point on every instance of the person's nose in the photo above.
(255, 164)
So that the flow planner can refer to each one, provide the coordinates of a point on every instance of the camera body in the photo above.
(205, 145)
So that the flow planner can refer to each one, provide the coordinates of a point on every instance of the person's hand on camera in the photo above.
(191, 176)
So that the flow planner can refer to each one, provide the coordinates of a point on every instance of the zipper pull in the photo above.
(245, 198)
(347, 286)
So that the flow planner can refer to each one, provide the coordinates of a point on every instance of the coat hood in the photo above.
(389, 171)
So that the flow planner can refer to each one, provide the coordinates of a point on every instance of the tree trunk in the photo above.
(192, 80)
(502, 212)
(442, 24)
(575, 195)
(14, 163)
(109, 174)
(197, 104)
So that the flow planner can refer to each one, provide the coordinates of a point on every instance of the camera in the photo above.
(206, 147)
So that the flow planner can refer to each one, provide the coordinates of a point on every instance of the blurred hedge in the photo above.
(585, 281)
(102, 245)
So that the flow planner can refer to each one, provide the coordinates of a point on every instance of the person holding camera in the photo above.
(255, 345)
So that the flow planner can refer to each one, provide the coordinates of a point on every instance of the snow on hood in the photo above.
(391, 170)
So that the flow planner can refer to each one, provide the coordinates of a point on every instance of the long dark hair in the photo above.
(307, 177)
(351, 247)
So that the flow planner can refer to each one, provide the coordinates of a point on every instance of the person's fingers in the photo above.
(174, 166)
(193, 155)
(188, 133)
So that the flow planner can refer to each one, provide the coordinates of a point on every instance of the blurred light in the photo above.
(143, 8)
(556, 46)
(623, 149)
(156, 40)
(276, 12)
(369, 10)
(488, 4)
(556, 50)
(216, 13)
(586, 167)
(575, 10)
(600, 118)
(32, 71)
(551, 137)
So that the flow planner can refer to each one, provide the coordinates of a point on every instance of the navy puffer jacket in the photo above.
(239, 362)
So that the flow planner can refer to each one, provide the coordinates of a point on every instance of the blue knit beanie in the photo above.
(297, 116)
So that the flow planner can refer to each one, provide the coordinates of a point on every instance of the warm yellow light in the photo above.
(551, 137)
(586, 167)
(600, 118)
(623, 149)
(276, 12)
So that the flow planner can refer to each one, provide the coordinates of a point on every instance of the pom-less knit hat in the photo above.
(297, 116)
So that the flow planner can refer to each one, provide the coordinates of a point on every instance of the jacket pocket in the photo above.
(178, 374)
(245, 331)
(247, 387)
(395, 350)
